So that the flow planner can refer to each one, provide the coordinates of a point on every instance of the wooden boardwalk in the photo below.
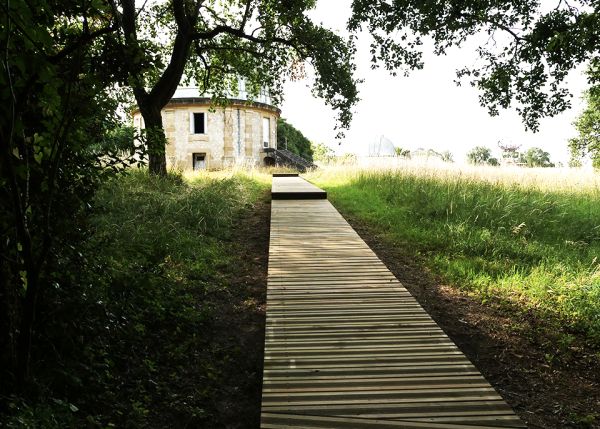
(347, 346)
(295, 188)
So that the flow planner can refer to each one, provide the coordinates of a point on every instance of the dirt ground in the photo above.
(241, 327)
(514, 350)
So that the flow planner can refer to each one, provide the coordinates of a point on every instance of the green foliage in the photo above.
(56, 414)
(290, 138)
(481, 155)
(57, 144)
(525, 61)
(403, 153)
(128, 339)
(322, 152)
(536, 157)
(447, 156)
(587, 143)
(536, 249)
(264, 43)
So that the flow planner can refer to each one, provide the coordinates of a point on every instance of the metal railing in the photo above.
(286, 157)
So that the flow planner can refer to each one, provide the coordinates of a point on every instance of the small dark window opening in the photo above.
(199, 123)
(269, 161)
(199, 161)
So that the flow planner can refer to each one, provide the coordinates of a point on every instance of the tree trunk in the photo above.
(26, 329)
(155, 139)
(9, 305)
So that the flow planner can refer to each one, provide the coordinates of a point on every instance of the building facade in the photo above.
(200, 137)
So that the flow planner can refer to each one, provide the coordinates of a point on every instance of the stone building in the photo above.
(203, 138)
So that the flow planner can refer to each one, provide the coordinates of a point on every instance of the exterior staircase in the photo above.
(285, 157)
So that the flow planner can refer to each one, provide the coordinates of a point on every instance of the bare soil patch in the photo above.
(240, 326)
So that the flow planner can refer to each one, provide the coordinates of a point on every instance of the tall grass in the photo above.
(529, 237)
(132, 342)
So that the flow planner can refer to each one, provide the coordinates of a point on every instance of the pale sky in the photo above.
(425, 109)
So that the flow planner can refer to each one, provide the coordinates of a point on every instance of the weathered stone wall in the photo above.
(233, 134)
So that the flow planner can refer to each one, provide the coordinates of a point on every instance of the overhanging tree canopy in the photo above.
(528, 53)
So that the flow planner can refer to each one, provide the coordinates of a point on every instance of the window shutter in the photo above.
(192, 123)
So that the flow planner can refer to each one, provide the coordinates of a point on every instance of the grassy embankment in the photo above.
(132, 336)
(520, 237)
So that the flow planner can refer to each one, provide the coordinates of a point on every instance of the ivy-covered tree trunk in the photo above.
(156, 140)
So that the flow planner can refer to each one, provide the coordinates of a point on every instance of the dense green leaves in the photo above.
(587, 143)
(57, 143)
(290, 138)
(525, 59)
(536, 157)
(481, 155)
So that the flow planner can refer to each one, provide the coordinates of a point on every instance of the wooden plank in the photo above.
(346, 345)
(295, 188)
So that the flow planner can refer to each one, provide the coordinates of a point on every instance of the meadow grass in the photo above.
(165, 257)
(134, 330)
(529, 237)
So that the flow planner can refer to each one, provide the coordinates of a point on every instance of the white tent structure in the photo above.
(382, 147)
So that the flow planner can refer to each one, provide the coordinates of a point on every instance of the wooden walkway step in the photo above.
(346, 345)
(287, 187)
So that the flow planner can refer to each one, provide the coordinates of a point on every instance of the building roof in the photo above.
(192, 95)
(234, 101)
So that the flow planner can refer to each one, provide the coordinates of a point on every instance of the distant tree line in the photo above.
(533, 157)
(445, 156)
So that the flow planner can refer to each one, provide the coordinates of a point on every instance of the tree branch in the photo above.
(82, 41)
(166, 85)
(215, 15)
(205, 48)
(246, 15)
(128, 21)
(181, 19)
(225, 29)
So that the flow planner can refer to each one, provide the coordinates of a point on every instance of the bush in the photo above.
(127, 339)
